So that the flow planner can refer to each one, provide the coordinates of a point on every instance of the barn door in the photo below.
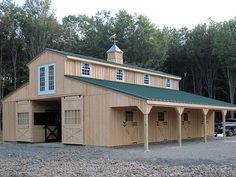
(23, 122)
(72, 120)
(131, 126)
(162, 125)
(186, 126)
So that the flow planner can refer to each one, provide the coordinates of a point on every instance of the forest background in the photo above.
(204, 56)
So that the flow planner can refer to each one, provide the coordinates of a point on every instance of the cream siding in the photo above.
(103, 109)
(72, 67)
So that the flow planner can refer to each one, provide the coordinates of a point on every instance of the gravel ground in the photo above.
(195, 158)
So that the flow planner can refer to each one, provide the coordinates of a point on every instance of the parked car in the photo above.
(230, 127)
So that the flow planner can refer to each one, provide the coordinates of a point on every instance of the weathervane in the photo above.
(113, 38)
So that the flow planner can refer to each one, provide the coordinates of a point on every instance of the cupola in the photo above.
(114, 54)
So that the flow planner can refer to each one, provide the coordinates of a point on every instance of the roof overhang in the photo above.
(188, 105)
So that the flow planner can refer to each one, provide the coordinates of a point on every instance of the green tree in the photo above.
(39, 26)
(11, 16)
(124, 27)
(133, 33)
(204, 64)
(149, 44)
(92, 33)
(225, 50)
(176, 62)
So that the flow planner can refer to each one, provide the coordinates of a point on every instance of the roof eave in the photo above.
(189, 105)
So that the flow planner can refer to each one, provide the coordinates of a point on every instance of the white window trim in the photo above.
(170, 83)
(123, 75)
(149, 78)
(47, 91)
(81, 67)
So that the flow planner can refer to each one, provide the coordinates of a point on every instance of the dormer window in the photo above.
(86, 69)
(146, 79)
(168, 83)
(46, 79)
(120, 75)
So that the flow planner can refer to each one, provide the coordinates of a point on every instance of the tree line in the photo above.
(204, 56)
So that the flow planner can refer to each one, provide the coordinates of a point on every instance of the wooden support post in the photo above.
(179, 111)
(224, 112)
(145, 108)
(146, 132)
(179, 130)
(205, 111)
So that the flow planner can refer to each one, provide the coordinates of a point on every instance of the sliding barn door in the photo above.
(72, 120)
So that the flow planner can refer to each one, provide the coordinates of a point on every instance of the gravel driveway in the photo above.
(195, 158)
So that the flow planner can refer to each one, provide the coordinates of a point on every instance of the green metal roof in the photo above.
(153, 93)
(105, 61)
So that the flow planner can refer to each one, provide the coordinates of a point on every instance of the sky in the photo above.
(171, 13)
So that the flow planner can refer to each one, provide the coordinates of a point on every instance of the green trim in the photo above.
(153, 93)
(105, 61)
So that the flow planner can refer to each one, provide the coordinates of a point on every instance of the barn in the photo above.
(76, 99)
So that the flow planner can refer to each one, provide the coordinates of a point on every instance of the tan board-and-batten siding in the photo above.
(110, 107)
(73, 67)
(103, 109)
(159, 131)
(9, 112)
(45, 59)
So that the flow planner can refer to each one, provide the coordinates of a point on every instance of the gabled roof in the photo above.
(154, 93)
(109, 62)
(114, 48)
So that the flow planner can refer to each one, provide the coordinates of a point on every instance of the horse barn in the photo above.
(76, 99)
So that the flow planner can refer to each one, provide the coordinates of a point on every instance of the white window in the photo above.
(72, 117)
(46, 79)
(86, 69)
(120, 74)
(51, 76)
(146, 79)
(23, 118)
(168, 83)
(42, 79)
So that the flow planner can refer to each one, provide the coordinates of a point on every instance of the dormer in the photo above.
(114, 54)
